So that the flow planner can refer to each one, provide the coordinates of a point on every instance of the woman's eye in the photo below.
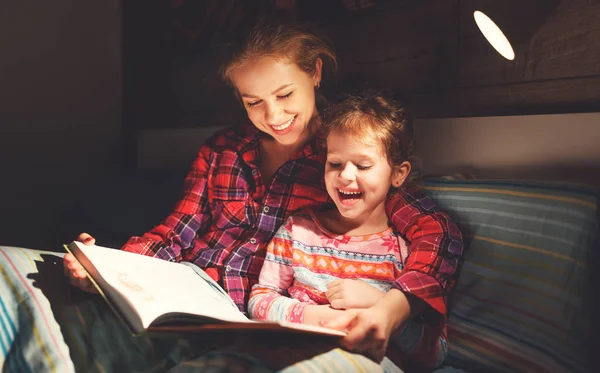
(286, 95)
(251, 104)
(363, 168)
(334, 164)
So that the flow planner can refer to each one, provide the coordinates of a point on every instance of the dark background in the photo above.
(79, 79)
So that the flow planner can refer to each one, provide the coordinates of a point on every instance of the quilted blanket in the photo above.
(48, 326)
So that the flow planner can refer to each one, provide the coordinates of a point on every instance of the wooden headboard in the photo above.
(558, 147)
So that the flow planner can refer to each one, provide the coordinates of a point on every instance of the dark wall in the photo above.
(60, 111)
(430, 54)
(76, 86)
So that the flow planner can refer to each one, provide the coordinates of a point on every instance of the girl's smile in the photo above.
(358, 177)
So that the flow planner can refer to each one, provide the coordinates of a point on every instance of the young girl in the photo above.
(349, 257)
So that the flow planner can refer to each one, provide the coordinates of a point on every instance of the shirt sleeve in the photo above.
(268, 299)
(418, 345)
(175, 234)
(435, 247)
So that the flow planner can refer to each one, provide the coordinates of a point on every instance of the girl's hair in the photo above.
(288, 42)
(371, 116)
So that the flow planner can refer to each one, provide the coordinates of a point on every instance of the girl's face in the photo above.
(279, 98)
(358, 177)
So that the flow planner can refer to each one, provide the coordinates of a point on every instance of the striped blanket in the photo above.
(525, 294)
(48, 326)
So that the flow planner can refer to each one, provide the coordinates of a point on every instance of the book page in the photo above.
(154, 287)
(144, 289)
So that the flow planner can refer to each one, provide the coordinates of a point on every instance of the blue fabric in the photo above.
(522, 301)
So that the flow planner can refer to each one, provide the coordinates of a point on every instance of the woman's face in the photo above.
(279, 98)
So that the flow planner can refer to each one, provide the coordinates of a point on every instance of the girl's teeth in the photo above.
(285, 125)
(349, 193)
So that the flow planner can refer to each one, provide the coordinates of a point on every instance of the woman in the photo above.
(248, 179)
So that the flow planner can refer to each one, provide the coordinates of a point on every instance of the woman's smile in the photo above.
(279, 99)
(285, 127)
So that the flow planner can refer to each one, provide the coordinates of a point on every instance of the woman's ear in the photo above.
(400, 173)
(318, 71)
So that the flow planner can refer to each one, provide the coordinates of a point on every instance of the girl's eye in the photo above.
(334, 164)
(251, 104)
(286, 95)
(363, 168)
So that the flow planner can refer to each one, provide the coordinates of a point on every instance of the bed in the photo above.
(523, 302)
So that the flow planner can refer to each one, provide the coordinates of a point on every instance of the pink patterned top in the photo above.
(304, 256)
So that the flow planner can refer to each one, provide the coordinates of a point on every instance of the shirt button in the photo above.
(266, 209)
(253, 240)
(228, 268)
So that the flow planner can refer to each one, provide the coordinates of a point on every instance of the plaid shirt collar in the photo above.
(249, 146)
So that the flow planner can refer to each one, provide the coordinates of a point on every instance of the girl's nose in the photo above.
(348, 172)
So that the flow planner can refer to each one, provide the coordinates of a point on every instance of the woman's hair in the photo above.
(289, 42)
(371, 116)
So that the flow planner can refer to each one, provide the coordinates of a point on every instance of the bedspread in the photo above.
(48, 326)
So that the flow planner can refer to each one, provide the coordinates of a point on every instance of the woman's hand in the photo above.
(74, 271)
(347, 293)
(369, 329)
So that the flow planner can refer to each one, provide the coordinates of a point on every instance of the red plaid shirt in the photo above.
(227, 216)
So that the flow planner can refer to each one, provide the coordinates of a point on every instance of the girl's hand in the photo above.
(347, 293)
(369, 329)
(320, 314)
(75, 272)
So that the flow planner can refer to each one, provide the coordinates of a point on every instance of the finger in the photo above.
(70, 272)
(341, 323)
(74, 269)
(338, 304)
(333, 293)
(334, 283)
(86, 239)
(335, 287)
(369, 348)
(70, 261)
(368, 344)
(359, 337)
(67, 266)
(84, 284)
(364, 332)
(80, 273)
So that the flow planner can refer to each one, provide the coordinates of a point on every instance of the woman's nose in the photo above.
(272, 113)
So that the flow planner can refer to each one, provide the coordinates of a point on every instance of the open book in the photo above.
(153, 295)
